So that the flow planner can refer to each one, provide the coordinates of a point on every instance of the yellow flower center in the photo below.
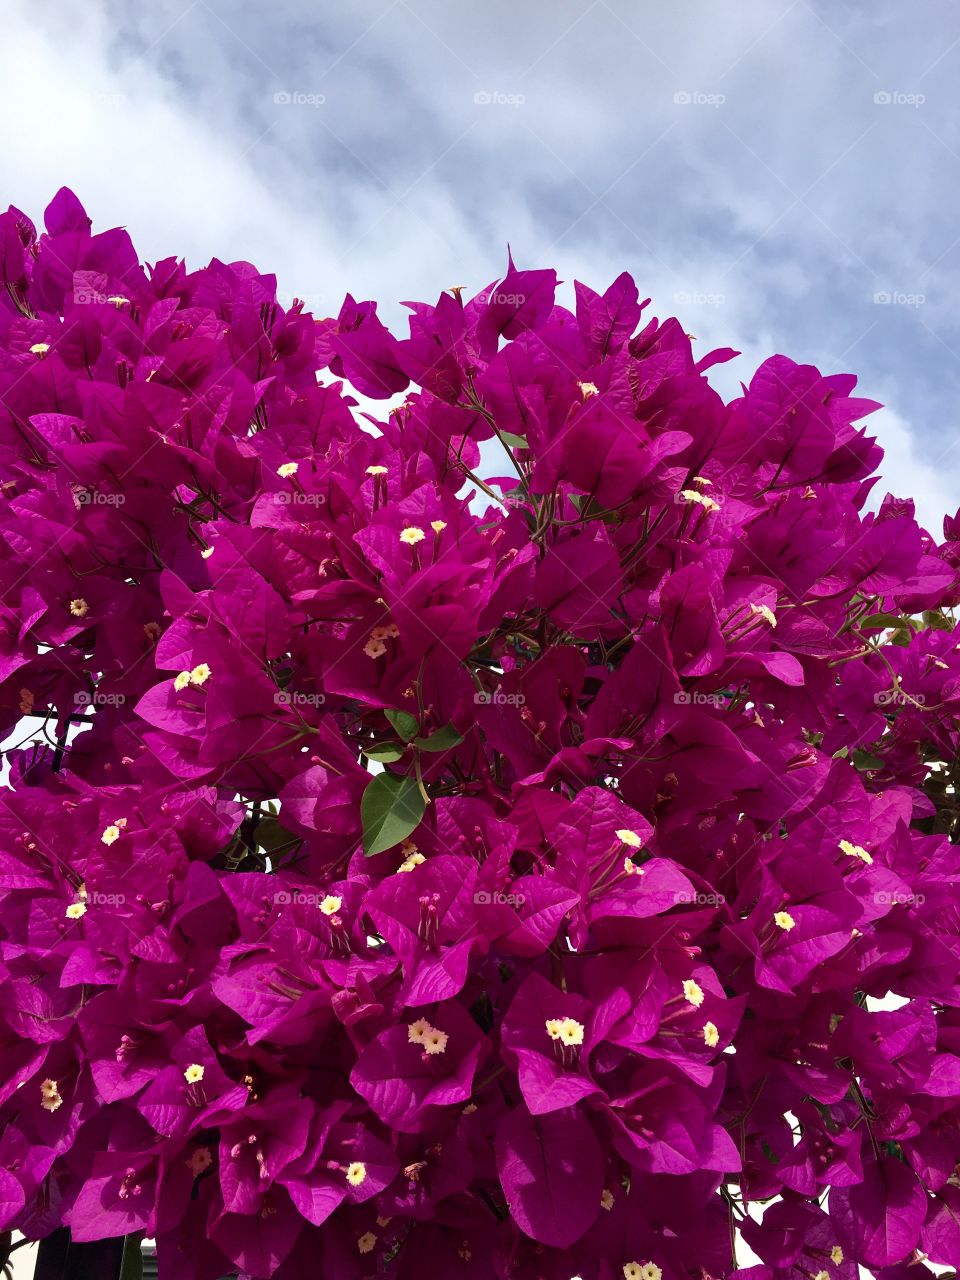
(606, 1199)
(331, 904)
(438, 526)
(200, 1161)
(40, 348)
(711, 1036)
(765, 612)
(784, 920)
(691, 495)
(194, 1073)
(628, 837)
(79, 607)
(412, 536)
(836, 1255)
(435, 1042)
(200, 674)
(567, 1030)
(111, 834)
(417, 1031)
(693, 992)
(50, 1098)
(571, 1032)
(376, 471)
(855, 851)
(366, 1242)
(76, 910)
(182, 680)
(356, 1173)
(414, 860)
(287, 469)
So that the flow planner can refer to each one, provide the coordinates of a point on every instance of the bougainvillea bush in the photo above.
(512, 837)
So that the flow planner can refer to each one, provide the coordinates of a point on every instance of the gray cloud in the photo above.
(780, 174)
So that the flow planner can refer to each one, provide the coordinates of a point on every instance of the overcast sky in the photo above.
(782, 174)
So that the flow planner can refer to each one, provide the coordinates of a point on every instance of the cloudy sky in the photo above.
(782, 174)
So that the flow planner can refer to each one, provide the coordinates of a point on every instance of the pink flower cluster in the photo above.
(408, 871)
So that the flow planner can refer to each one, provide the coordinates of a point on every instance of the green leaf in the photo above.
(442, 740)
(514, 441)
(131, 1264)
(391, 808)
(386, 752)
(937, 621)
(271, 835)
(864, 760)
(404, 723)
(880, 621)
